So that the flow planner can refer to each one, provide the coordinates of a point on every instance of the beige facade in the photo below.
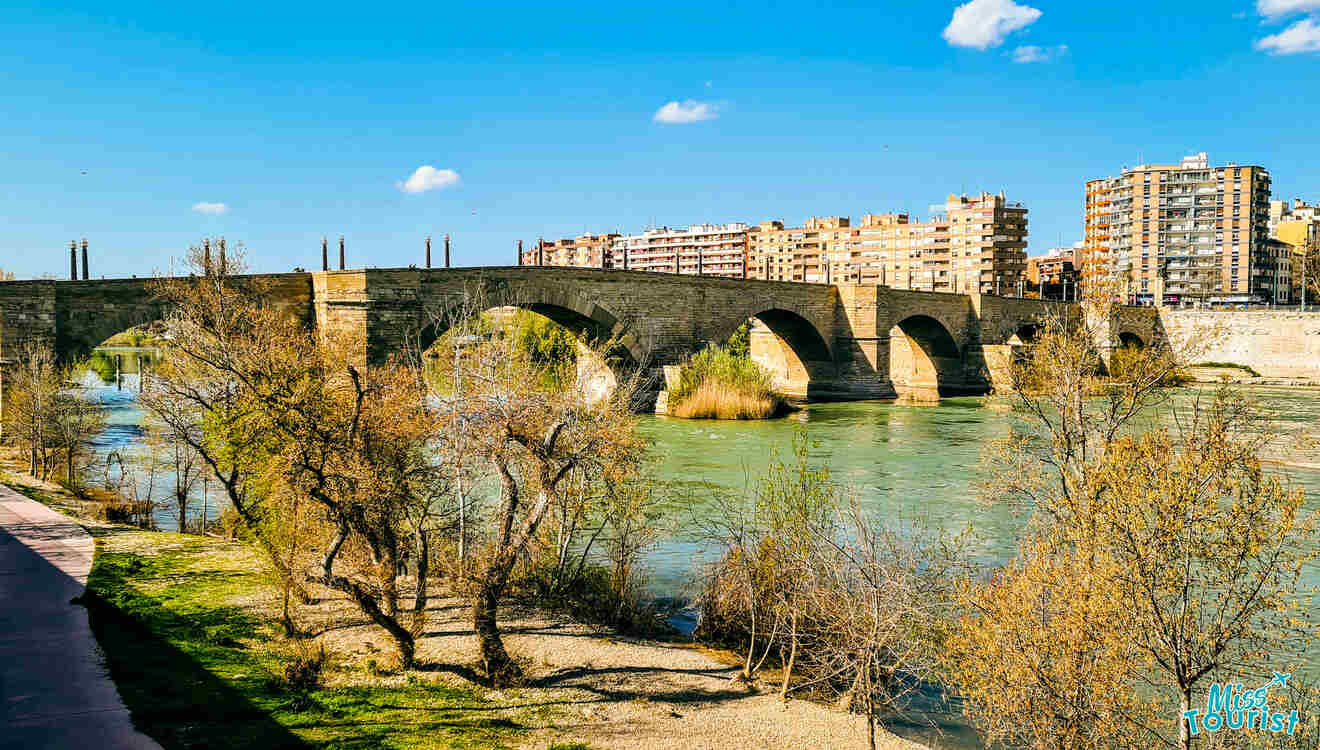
(700, 250)
(1196, 231)
(978, 245)
(1297, 225)
(821, 251)
(585, 251)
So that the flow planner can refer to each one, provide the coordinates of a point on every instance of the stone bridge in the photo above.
(822, 342)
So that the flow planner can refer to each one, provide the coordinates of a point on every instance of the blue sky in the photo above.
(548, 119)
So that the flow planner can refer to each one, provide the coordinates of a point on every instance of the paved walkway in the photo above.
(54, 689)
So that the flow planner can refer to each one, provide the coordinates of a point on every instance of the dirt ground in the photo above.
(590, 685)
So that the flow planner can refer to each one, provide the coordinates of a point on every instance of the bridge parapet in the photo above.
(824, 341)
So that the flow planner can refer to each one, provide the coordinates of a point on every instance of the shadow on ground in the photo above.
(171, 696)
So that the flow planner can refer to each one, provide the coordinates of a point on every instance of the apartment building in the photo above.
(978, 245)
(1297, 224)
(821, 251)
(700, 249)
(584, 251)
(1055, 274)
(1186, 231)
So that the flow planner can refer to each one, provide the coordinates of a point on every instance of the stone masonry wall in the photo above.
(1276, 344)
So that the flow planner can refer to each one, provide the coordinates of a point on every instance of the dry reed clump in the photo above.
(713, 400)
(718, 384)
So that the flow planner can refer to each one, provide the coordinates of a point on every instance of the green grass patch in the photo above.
(1229, 366)
(197, 670)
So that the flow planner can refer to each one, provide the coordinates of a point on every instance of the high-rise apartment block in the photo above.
(821, 251)
(979, 244)
(1185, 230)
(700, 249)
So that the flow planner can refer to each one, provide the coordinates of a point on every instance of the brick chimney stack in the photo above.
(341, 252)
(428, 252)
(86, 274)
(73, 260)
(519, 251)
(446, 251)
(206, 257)
(224, 266)
(325, 255)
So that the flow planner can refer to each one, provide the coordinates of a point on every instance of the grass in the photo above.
(719, 384)
(197, 664)
(714, 400)
(1229, 366)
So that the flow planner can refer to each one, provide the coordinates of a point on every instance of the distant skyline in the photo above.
(149, 127)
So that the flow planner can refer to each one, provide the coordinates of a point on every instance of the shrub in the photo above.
(1229, 366)
(717, 384)
(303, 668)
(740, 343)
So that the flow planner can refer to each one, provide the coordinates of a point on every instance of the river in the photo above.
(901, 462)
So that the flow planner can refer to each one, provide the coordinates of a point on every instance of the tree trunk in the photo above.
(1184, 736)
(500, 669)
(792, 657)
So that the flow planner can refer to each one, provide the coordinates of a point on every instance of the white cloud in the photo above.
(428, 178)
(211, 209)
(982, 24)
(675, 113)
(1033, 54)
(1303, 36)
(1279, 8)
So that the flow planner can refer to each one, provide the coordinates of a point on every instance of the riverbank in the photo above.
(199, 614)
(1243, 375)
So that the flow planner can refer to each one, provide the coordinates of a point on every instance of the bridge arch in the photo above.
(925, 361)
(1128, 339)
(792, 348)
(588, 322)
(1025, 335)
(84, 330)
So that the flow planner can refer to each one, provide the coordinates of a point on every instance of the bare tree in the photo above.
(291, 420)
(535, 439)
(32, 400)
